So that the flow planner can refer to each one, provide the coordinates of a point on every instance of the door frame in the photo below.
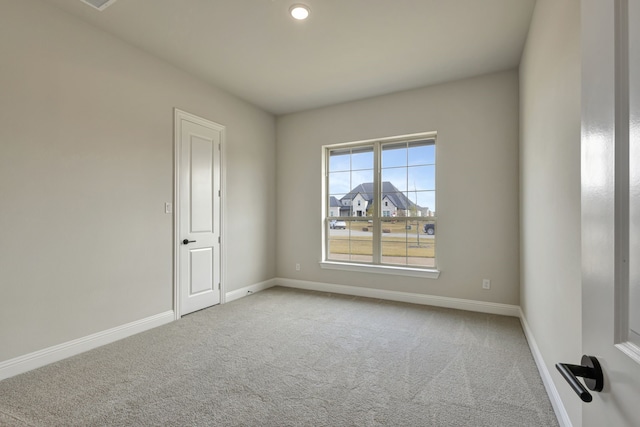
(606, 224)
(177, 117)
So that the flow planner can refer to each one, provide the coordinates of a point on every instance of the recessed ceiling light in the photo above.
(299, 11)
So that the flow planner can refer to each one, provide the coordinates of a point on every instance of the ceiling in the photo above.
(346, 50)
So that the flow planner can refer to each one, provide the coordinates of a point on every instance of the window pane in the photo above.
(361, 241)
(394, 179)
(394, 155)
(358, 200)
(354, 242)
(421, 244)
(421, 177)
(338, 242)
(361, 205)
(339, 160)
(410, 243)
(362, 158)
(422, 153)
(334, 206)
(389, 209)
(394, 242)
(412, 209)
(339, 182)
(361, 177)
(399, 202)
(370, 204)
(425, 201)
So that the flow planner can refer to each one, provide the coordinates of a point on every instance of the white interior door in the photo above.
(611, 207)
(198, 152)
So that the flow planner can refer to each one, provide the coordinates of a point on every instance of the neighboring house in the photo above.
(388, 207)
(394, 202)
(426, 212)
(359, 205)
(334, 206)
(345, 207)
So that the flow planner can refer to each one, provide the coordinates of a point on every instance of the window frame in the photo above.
(376, 265)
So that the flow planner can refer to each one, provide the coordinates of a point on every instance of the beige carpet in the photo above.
(285, 357)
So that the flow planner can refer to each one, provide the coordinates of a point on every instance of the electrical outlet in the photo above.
(486, 284)
(297, 267)
(168, 208)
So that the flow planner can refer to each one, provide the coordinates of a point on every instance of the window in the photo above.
(394, 183)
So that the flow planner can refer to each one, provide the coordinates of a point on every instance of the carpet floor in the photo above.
(285, 357)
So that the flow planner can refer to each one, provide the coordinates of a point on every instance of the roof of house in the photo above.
(388, 191)
(334, 202)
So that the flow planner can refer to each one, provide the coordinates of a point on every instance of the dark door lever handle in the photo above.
(590, 370)
(187, 241)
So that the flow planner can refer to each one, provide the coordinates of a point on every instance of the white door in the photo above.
(611, 207)
(198, 152)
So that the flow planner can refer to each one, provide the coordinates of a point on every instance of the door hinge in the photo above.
(218, 286)
(219, 239)
(219, 147)
(219, 193)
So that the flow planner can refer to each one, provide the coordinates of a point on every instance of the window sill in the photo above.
(381, 269)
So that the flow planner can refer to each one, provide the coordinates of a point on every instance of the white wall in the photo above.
(477, 177)
(550, 188)
(86, 165)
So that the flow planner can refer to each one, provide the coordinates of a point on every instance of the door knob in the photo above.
(187, 241)
(590, 370)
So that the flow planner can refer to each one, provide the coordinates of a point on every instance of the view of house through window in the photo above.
(381, 202)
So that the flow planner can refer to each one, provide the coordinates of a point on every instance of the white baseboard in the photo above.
(21, 364)
(248, 290)
(549, 385)
(460, 304)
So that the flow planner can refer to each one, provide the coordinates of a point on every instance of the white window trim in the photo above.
(381, 269)
(409, 271)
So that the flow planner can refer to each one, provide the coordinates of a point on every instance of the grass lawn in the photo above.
(391, 246)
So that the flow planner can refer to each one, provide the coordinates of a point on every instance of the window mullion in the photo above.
(377, 179)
